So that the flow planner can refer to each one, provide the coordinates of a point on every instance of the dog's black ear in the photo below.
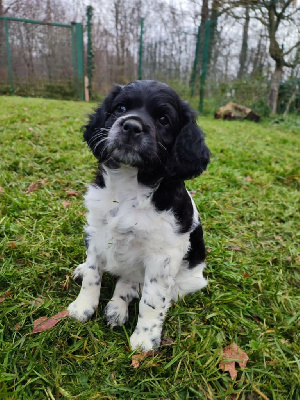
(189, 155)
(98, 118)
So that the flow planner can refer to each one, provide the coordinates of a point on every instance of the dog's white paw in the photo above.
(82, 309)
(78, 272)
(116, 312)
(145, 339)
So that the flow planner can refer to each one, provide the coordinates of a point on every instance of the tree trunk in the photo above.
(204, 18)
(275, 82)
(244, 49)
(213, 34)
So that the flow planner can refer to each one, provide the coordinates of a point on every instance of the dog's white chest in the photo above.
(128, 227)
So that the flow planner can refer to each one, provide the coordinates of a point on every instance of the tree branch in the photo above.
(291, 49)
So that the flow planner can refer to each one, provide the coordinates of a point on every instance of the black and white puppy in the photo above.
(142, 224)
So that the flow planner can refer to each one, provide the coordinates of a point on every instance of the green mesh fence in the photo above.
(41, 59)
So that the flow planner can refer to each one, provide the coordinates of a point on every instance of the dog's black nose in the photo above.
(132, 126)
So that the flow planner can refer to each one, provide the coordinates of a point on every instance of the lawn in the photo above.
(248, 201)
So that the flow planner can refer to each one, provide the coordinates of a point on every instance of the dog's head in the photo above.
(146, 125)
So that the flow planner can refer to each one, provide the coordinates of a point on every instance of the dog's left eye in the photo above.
(121, 108)
(163, 120)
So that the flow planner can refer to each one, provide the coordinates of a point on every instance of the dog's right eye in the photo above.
(121, 108)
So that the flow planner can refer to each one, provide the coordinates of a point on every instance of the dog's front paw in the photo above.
(145, 339)
(78, 273)
(82, 309)
(116, 312)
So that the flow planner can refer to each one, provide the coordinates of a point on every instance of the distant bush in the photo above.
(286, 91)
(60, 91)
(261, 108)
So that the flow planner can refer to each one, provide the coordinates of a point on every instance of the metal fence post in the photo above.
(204, 64)
(77, 58)
(73, 45)
(141, 51)
(90, 55)
(193, 80)
(10, 73)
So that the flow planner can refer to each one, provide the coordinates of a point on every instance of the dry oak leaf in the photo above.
(33, 187)
(232, 354)
(71, 193)
(138, 358)
(66, 203)
(234, 247)
(44, 323)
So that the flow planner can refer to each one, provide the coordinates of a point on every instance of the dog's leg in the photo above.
(189, 281)
(116, 311)
(154, 304)
(87, 301)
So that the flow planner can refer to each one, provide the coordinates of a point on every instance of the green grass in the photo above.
(248, 202)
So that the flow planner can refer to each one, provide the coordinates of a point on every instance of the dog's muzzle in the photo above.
(131, 126)
(128, 140)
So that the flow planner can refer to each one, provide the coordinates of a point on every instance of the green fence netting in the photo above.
(41, 59)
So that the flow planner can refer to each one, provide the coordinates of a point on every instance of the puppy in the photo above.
(142, 225)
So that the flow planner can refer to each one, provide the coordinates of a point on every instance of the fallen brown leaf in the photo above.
(233, 354)
(33, 187)
(37, 302)
(234, 247)
(166, 340)
(2, 299)
(12, 245)
(45, 323)
(71, 193)
(17, 326)
(138, 358)
(66, 203)
(278, 237)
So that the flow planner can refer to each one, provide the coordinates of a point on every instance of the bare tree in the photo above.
(277, 16)
(244, 49)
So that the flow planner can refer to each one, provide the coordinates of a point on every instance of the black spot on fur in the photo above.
(196, 253)
(87, 240)
(88, 313)
(150, 305)
(78, 279)
(155, 342)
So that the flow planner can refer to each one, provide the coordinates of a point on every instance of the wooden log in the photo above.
(233, 111)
